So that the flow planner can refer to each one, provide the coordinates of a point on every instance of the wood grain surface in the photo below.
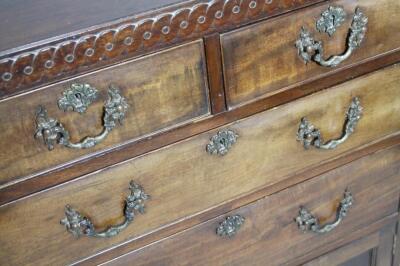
(375, 249)
(132, 149)
(215, 74)
(150, 31)
(396, 254)
(27, 22)
(261, 59)
(163, 90)
(184, 180)
(270, 234)
(359, 250)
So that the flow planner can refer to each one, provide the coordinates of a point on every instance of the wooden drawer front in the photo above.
(270, 234)
(162, 91)
(183, 179)
(261, 59)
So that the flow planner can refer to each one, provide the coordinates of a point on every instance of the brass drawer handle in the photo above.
(230, 225)
(309, 135)
(308, 222)
(312, 50)
(79, 225)
(52, 131)
(221, 142)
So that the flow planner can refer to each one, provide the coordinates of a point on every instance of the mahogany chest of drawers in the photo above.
(223, 132)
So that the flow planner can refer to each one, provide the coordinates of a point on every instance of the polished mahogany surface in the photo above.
(24, 22)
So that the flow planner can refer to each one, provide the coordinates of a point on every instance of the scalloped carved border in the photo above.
(38, 66)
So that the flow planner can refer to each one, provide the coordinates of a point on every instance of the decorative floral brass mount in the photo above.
(79, 225)
(52, 131)
(308, 222)
(78, 97)
(331, 19)
(309, 135)
(230, 225)
(312, 50)
(222, 142)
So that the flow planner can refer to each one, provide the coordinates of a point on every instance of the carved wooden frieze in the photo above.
(85, 51)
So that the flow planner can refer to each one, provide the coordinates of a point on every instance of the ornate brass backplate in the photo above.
(79, 225)
(230, 225)
(78, 98)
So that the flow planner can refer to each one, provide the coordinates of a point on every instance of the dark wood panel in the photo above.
(396, 253)
(372, 250)
(356, 253)
(127, 151)
(384, 252)
(162, 90)
(24, 22)
(270, 233)
(215, 73)
(201, 180)
(261, 59)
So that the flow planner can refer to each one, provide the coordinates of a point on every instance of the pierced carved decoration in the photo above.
(331, 19)
(79, 225)
(306, 221)
(222, 142)
(123, 40)
(311, 50)
(230, 225)
(78, 97)
(52, 132)
(309, 135)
